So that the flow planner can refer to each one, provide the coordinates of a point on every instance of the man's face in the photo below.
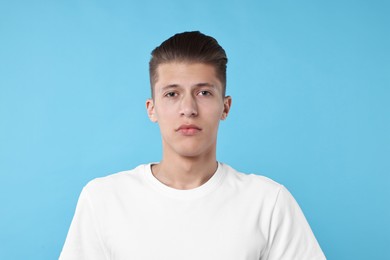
(188, 105)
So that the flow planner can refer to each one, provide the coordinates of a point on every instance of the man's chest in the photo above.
(184, 231)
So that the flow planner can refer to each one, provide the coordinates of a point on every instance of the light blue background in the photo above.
(310, 85)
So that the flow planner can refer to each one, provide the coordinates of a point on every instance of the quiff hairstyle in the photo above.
(189, 47)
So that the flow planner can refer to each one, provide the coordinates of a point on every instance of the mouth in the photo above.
(188, 129)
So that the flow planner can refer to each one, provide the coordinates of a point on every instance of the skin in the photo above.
(188, 106)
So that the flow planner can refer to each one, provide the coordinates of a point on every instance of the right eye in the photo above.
(171, 94)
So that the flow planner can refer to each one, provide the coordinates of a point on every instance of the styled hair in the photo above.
(189, 47)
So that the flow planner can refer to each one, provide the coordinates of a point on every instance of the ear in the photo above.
(151, 111)
(227, 103)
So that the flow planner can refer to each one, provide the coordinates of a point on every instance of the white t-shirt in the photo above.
(233, 216)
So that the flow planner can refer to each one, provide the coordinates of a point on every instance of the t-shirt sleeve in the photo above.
(83, 240)
(290, 236)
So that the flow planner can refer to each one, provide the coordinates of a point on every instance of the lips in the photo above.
(188, 129)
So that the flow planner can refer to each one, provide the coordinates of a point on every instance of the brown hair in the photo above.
(189, 47)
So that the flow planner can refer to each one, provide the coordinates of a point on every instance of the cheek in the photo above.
(163, 109)
(165, 113)
(214, 113)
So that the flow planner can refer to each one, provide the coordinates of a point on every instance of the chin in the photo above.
(191, 155)
(190, 149)
(193, 152)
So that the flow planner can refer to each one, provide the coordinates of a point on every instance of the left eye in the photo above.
(204, 93)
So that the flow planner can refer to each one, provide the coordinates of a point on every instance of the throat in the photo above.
(183, 177)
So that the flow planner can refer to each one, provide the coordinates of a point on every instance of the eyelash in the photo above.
(170, 94)
(205, 93)
(202, 93)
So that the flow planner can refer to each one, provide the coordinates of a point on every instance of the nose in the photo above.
(188, 106)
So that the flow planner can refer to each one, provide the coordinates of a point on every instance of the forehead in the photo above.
(184, 73)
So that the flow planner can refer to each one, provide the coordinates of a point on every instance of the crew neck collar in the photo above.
(194, 193)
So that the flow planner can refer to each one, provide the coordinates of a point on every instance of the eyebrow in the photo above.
(202, 84)
(205, 84)
(169, 86)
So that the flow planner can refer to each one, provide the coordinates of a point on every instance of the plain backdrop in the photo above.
(310, 82)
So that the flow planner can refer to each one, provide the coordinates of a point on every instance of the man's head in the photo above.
(189, 47)
(188, 78)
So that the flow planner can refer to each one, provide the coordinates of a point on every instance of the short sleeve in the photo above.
(83, 240)
(290, 236)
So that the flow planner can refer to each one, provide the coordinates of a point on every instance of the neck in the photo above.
(185, 172)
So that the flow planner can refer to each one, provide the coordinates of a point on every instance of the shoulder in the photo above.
(263, 189)
(253, 188)
(117, 182)
(250, 180)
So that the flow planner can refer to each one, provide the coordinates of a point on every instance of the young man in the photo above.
(188, 206)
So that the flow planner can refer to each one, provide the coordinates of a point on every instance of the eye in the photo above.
(171, 94)
(205, 93)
